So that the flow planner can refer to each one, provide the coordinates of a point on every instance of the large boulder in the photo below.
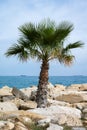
(27, 105)
(24, 105)
(78, 87)
(5, 90)
(29, 90)
(4, 98)
(5, 94)
(60, 87)
(19, 94)
(19, 114)
(7, 106)
(72, 97)
(17, 102)
(65, 119)
(60, 103)
(71, 115)
(53, 91)
(6, 125)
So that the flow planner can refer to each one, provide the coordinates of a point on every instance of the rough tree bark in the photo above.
(41, 97)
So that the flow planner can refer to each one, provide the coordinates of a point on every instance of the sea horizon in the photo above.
(23, 81)
(49, 75)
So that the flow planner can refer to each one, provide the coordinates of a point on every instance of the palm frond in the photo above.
(23, 56)
(44, 40)
(67, 59)
(62, 32)
(77, 44)
(18, 50)
(15, 49)
(29, 32)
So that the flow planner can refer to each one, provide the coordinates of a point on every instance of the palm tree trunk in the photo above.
(41, 97)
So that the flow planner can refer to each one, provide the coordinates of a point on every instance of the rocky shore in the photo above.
(67, 108)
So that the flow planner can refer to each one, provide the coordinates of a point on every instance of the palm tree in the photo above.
(44, 42)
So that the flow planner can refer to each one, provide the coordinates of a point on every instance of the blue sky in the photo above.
(14, 13)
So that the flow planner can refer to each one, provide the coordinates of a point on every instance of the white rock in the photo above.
(79, 128)
(53, 113)
(27, 91)
(25, 119)
(6, 125)
(60, 103)
(69, 120)
(54, 127)
(72, 96)
(7, 106)
(5, 90)
(44, 122)
(10, 125)
(28, 105)
(20, 126)
(60, 87)
(54, 110)
(78, 87)
(50, 85)
(84, 110)
(2, 123)
(54, 91)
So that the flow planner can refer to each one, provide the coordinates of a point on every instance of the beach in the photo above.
(67, 108)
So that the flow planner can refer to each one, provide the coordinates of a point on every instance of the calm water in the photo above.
(26, 81)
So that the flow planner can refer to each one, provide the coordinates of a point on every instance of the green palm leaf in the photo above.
(16, 49)
(77, 44)
(44, 41)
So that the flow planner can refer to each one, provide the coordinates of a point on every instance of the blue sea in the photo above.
(27, 81)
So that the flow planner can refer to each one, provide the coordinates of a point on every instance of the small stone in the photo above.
(78, 128)
(84, 110)
(33, 95)
(79, 107)
(54, 127)
(6, 125)
(20, 126)
(84, 116)
(85, 123)
(24, 119)
(44, 122)
(10, 125)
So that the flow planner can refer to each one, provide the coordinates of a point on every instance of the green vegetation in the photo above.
(44, 42)
(67, 128)
(33, 126)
